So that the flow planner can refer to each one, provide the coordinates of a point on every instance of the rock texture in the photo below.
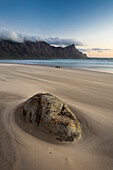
(52, 116)
(36, 50)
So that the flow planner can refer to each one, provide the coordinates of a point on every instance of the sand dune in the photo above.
(89, 95)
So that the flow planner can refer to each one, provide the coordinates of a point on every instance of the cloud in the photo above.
(84, 50)
(10, 35)
(100, 50)
(63, 42)
(20, 37)
(16, 36)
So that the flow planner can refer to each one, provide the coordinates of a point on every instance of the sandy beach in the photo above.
(89, 95)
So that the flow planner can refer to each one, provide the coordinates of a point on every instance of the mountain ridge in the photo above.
(37, 50)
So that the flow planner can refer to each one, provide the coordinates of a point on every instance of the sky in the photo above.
(86, 23)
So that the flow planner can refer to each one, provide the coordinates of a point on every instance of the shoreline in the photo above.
(87, 93)
(61, 67)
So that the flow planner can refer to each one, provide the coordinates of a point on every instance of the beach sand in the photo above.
(89, 95)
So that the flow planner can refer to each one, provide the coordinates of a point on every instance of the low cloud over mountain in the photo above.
(20, 37)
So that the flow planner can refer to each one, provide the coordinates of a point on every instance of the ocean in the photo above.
(97, 64)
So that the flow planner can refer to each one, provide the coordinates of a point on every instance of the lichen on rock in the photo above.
(52, 116)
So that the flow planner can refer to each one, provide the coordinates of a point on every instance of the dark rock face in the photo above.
(52, 116)
(36, 50)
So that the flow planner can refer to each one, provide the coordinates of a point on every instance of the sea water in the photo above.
(99, 64)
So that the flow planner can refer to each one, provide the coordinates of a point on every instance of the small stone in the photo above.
(67, 158)
(57, 66)
(52, 116)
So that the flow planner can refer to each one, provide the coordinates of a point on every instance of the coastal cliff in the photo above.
(37, 50)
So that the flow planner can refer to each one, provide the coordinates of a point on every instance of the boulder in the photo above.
(52, 116)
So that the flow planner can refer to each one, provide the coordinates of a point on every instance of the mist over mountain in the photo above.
(21, 37)
(36, 50)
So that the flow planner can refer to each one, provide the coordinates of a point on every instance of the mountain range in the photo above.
(37, 50)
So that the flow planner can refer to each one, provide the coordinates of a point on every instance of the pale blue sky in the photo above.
(88, 21)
